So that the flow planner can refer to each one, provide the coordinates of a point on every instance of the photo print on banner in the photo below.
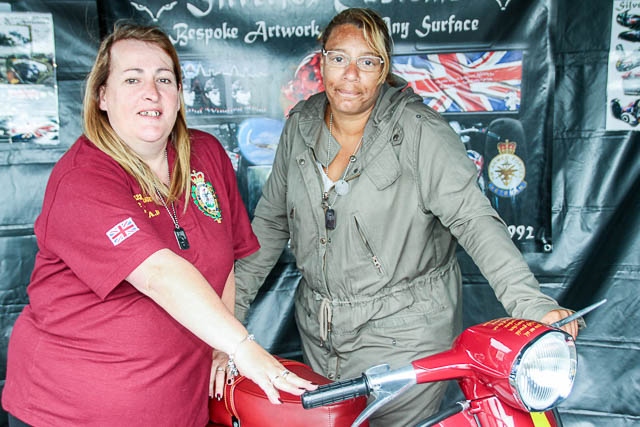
(623, 72)
(28, 79)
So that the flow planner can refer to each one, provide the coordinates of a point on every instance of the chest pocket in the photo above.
(384, 169)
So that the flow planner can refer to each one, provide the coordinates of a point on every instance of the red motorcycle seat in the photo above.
(245, 401)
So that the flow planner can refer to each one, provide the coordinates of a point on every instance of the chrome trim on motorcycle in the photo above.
(385, 385)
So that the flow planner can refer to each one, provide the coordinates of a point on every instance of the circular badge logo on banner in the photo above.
(507, 171)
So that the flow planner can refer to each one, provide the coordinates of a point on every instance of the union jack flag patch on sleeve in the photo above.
(122, 231)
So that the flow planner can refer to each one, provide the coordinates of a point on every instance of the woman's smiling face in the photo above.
(349, 89)
(142, 95)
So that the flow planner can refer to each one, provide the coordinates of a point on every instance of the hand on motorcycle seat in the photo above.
(268, 373)
(218, 374)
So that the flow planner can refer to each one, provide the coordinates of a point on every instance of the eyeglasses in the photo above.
(341, 60)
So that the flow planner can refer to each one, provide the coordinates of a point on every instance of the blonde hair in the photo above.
(98, 129)
(374, 30)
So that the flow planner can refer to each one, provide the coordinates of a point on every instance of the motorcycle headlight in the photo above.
(543, 374)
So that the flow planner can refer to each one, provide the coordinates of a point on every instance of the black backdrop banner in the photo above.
(594, 172)
(482, 64)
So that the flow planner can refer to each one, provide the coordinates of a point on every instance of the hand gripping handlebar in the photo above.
(578, 314)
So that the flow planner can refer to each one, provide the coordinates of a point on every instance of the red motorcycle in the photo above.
(512, 372)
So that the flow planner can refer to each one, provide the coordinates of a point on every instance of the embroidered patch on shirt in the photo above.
(122, 231)
(204, 196)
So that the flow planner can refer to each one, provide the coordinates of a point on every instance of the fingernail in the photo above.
(218, 397)
(229, 381)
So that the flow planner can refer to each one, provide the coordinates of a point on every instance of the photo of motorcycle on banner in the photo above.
(28, 79)
(477, 63)
(623, 71)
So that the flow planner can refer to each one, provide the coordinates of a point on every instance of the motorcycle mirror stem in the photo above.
(578, 314)
(385, 385)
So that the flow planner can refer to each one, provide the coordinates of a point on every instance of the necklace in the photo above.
(179, 232)
(341, 186)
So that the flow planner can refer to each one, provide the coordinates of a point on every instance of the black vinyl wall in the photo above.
(591, 182)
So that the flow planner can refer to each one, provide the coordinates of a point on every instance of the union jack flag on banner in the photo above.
(464, 82)
(120, 232)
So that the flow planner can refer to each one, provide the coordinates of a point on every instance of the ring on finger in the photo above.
(220, 369)
(285, 373)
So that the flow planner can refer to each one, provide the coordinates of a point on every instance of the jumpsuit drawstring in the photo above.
(324, 318)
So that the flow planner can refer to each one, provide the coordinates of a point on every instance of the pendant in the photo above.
(181, 237)
(330, 219)
(341, 187)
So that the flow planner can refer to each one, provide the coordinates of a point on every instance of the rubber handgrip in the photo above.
(335, 392)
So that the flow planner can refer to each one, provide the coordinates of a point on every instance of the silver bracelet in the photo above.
(231, 364)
